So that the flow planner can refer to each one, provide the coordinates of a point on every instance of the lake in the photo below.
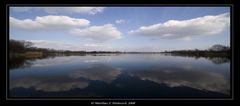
(120, 76)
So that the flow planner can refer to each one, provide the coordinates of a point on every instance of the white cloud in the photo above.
(55, 45)
(97, 47)
(98, 33)
(66, 46)
(55, 10)
(186, 29)
(48, 22)
(83, 10)
(120, 21)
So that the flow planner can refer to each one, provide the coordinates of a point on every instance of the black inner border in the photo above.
(105, 98)
(122, 3)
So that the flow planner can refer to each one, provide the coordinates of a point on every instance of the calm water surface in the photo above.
(120, 76)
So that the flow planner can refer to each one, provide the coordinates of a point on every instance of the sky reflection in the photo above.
(70, 73)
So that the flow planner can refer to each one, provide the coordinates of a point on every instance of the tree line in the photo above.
(21, 46)
(216, 50)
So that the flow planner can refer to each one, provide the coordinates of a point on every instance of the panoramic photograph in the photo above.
(119, 52)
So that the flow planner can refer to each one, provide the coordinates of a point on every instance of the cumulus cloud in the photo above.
(48, 22)
(186, 29)
(65, 23)
(55, 10)
(98, 33)
(120, 21)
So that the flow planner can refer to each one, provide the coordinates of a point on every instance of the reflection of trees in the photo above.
(18, 62)
(106, 54)
(219, 60)
(216, 59)
(24, 61)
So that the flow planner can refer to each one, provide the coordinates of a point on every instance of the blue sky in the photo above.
(121, 28)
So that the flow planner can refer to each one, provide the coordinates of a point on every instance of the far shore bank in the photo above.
(35, 54)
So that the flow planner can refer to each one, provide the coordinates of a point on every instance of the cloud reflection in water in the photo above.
(99, 72)
(75, 79)
(176, 77)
